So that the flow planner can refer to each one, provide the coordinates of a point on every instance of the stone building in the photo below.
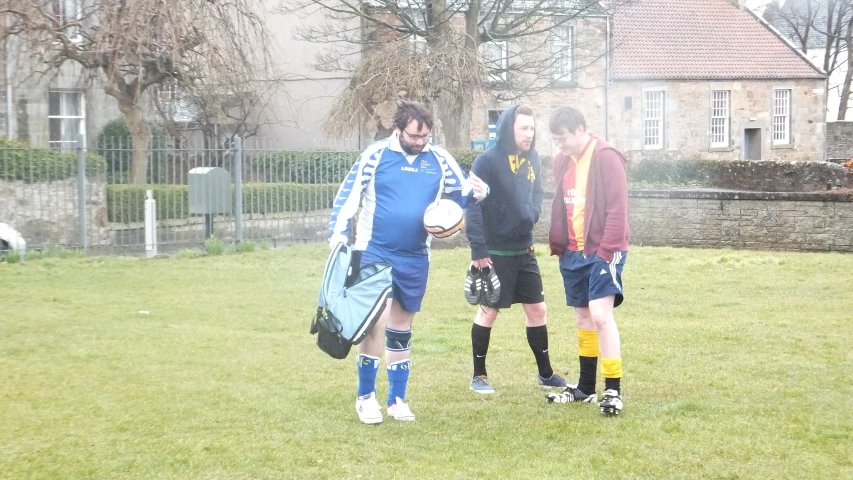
(688, 79)
(706, 79)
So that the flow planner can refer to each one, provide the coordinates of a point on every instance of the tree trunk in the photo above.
(455, 114)
(141, 134)
(848, 78)
(845, 90)
(455, 107)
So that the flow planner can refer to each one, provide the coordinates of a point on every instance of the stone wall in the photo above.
(46, 213)
(687, 119)
(772, 221)
(839, 141)
(714, 219)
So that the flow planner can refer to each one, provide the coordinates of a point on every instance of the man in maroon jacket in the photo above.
(589, 232)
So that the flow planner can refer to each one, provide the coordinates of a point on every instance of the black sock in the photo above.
(612, 384)
(537, 338)
(480, 345)
(586, 381)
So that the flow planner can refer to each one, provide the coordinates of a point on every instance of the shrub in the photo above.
(315, 166)
(214, 246)
(465, 158)
(670, 172)
(287, 197)
(115, 144)
(126, 203)
(246, 246)
(13, 256)
(766, 175)
(19, 161)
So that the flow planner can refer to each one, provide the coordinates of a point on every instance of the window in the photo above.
(561, 47)
(495, 58)
(173, 106)
(65, 12)
(781, 116)
(653, 119)
(67, 118)
(419, 44)
(720, 118)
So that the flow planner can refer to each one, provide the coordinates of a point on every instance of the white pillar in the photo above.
(150, 224)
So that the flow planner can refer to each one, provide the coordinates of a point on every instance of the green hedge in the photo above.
(465, 158)
(750, 175)
(318, 166)
(115, 144)
(126, 203)
(652, 172)
(19, 161)
(315, 166)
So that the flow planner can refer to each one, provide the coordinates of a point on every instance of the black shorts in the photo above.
(520, 279)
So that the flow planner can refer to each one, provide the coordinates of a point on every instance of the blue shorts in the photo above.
(408, 277)
(588, 278)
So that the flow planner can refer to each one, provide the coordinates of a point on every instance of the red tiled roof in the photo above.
(699, 39)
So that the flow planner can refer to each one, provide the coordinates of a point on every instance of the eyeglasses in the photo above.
(559, 140)
(417, 138)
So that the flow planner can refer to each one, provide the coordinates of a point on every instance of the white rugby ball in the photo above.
(444, 218)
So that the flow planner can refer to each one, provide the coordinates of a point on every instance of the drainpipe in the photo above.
(8, 83)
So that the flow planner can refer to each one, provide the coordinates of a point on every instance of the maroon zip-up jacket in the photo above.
(606, 211)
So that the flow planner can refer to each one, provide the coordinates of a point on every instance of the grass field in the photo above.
(736, 366)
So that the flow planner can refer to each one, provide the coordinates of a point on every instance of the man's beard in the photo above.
(410, 149)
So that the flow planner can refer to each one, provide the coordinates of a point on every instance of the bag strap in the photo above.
(354, 268)
(321, 297)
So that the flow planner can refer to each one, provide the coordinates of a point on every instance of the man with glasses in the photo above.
(589, 232)
(500, 232)
(398, 178)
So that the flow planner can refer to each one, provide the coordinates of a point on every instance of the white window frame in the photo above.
(721, 118)
(419, 44)
(67, 140)
(60, 9)
(782, 116)
(173, 106)
(654, 115)
(562, 51)
(501, 62)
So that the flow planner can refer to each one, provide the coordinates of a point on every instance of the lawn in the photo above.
(736, 366)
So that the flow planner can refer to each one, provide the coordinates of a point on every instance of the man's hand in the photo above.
(481, 190)
(481, 263)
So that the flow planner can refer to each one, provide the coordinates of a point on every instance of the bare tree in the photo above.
(201, 46)
(822, 25)
(445, 52)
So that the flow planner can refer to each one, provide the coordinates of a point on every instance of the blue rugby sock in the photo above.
(367, 368)
(398, 379)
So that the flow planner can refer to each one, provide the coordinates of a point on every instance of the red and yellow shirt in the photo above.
(574, 195)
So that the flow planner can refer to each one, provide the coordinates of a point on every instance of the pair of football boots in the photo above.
(482, 286)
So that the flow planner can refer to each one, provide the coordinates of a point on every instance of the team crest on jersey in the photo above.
(428, 167)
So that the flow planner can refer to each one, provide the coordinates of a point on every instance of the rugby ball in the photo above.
(444, 218)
